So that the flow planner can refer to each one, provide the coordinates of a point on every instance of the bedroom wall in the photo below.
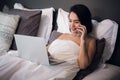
(103, 8)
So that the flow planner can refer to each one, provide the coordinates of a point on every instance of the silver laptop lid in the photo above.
(32, 48)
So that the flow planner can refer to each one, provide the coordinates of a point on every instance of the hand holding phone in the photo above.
(82, 31)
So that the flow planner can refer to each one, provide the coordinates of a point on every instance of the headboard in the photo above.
(102, 9)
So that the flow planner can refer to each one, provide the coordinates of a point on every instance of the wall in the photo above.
(102, 8)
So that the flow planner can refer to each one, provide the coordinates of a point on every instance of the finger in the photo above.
(80, 30)
(83, 28)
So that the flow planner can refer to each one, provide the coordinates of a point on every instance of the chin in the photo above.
(74, 32)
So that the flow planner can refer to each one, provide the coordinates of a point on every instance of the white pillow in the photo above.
(8, 25)
(62, 21)
(45, 27)
(105, 29)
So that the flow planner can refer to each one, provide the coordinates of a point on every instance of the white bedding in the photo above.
(105, 72)
(14, 68)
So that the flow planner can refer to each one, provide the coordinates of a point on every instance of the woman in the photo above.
(77, 48)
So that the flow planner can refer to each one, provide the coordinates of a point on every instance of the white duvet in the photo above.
(14, 68)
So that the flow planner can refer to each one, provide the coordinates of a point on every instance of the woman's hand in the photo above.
(83, 31)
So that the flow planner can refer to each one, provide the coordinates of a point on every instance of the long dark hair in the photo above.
(83, 14)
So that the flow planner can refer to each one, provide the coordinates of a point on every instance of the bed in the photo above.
(105, 17)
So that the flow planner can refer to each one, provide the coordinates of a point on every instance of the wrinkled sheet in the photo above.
(14, 68)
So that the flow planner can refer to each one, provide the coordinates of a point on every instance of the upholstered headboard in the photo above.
(100, 9)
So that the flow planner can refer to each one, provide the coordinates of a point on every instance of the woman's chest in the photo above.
(70, 37)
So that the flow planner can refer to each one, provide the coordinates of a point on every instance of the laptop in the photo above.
(34, 49)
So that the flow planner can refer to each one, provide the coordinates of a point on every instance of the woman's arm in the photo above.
(87, 48)
(86, 53)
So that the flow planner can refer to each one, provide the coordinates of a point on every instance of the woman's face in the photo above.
(74, 22)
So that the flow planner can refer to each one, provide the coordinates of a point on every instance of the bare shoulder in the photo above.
(92, 40)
